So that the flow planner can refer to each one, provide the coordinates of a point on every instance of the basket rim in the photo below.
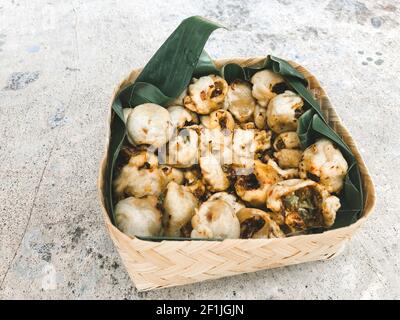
(368, 184)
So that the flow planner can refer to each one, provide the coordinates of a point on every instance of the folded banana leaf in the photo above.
(182, 57)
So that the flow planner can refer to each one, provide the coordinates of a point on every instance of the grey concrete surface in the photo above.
(59, 64)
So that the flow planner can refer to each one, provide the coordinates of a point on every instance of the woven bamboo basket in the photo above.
(168, 263)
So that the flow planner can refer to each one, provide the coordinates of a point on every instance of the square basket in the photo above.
(169, 263)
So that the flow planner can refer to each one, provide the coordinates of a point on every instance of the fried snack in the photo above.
(138, 217)
(257, 224)
(325, 164)
(302, 204)
(206, 94)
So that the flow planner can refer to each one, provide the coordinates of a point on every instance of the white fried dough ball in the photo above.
(324, 162)
(247, 142)
(283, 112)
(215, 178)
(138, 216)
(243, 147)
(216, 143)
(220, 119)
(140, 177)
(183, 148)
(265, 85)
(149, 124)
(239, 101)
(206, 94)
(215, 219)
(179, 208)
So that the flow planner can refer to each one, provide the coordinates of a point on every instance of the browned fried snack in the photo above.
(287, 140)
(302, 204)
(257, 224)
(239, 101)
(266, 85)
(206, 94)
(283, 112)
(288, 158)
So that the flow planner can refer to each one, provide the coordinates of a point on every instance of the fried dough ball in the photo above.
(206, 94)
(303, 204)
(149, 124)
(283, 112)
(246, 143)
(215, 219)
(138, 217)
(140, 177)
(266, 85)
(183, 149)
(257, 224)
(180, 116)
(179, 208)
(253, 187)
(215, 178)
(324, 163)
(287, 140)
(220, 119)
(288, 158)
(243, 147)
(216, 143)
(239, 101)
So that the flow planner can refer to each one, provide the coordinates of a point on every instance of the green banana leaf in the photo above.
(117, 138)
(205, 66)
(164, 77)
(182, 57)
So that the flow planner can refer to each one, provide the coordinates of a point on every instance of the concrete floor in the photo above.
(59, 63)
